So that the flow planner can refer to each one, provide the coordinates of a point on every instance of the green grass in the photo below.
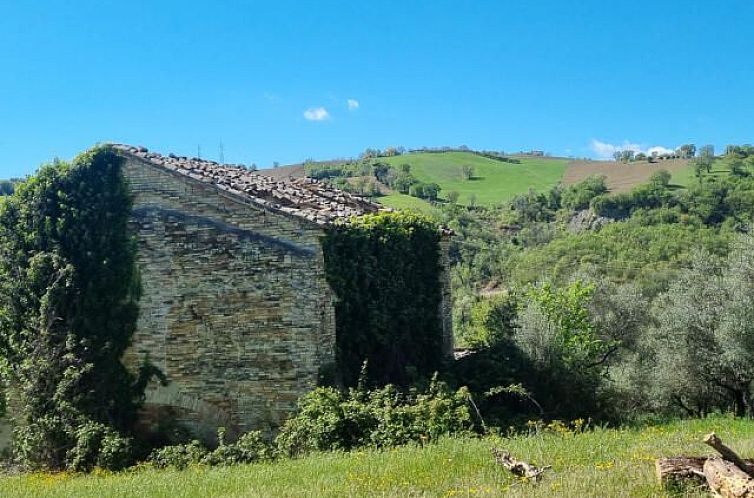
(686, 178)
(494, 181)
(400, 201)
(599, 463)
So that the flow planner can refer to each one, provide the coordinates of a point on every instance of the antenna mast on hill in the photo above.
(199, 151)
(222, 153)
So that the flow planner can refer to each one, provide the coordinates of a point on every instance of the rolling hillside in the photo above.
(496, 181)
(493, 181)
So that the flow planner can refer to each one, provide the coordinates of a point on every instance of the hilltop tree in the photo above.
(6, 187)
(687, 151)
(707, 157)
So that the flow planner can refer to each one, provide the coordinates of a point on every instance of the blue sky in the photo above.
(272, 81)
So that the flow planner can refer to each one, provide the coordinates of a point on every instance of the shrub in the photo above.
(179, 456)
(249, 448)
(329, 419)
(577, 197)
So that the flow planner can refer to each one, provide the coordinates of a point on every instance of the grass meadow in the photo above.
(493, 182)
(601, 462)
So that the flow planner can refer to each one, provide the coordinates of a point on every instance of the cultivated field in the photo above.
(600, 463)
(620, 177)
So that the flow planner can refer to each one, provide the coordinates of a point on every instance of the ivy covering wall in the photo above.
(385, 271)
(68, 309)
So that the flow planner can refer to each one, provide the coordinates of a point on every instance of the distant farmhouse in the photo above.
(235, 308)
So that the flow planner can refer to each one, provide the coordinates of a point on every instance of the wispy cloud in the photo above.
(353, 104)
(316, 114)
(604, 150)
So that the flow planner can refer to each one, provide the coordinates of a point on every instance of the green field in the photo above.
(493, 182)
(686, 177)
(400, 201)
(599, 463)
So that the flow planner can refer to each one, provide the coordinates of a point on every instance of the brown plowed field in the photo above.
(619, 176)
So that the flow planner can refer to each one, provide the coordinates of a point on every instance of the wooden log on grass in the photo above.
(728, 476)
(518, 467)
(680, 470)
(728, 454)
(727, 480)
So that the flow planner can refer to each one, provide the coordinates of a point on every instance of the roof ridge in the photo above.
(306, 198)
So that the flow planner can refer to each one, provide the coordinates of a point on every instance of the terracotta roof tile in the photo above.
(303, 197)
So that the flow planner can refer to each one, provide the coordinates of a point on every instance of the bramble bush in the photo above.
(250, 447)
(329, 419)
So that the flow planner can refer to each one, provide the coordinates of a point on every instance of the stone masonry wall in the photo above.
(235, 309)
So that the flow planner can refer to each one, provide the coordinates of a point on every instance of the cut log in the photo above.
(727, 480)
(728, 454)
(680, 469)
(518, 467)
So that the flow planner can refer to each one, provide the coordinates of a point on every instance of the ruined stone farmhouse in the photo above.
(235, 309)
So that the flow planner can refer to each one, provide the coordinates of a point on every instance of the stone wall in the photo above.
(446, 304)
(235, 309)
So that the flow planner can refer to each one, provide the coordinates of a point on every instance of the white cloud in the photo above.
(604, 150)
(660, 150)
(353, 104)
(316, 114)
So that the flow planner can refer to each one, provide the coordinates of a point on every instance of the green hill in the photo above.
(493, 181)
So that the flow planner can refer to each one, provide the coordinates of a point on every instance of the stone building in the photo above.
(235, 309)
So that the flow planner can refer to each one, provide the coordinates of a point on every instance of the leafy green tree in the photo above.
(467, 171)
(431, 191)
(6, 187)
(660, 178)
(687, 151)
(492, 321)
(381, 171)
(68, 293)
(703, 344)
(567, 355)
(574, 337)
(452, 196)
(578, 196)
(707, 157)
(417, 190)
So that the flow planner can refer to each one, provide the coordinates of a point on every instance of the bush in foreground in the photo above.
(329, 419)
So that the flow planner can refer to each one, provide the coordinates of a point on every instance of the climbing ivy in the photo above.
(385, 271)
(68, 309)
